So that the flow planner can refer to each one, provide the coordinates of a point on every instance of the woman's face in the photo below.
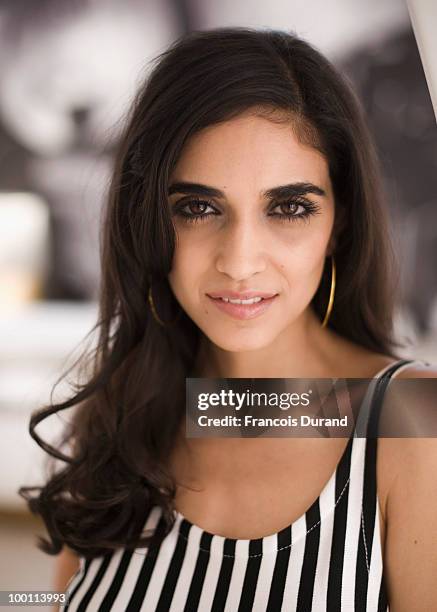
(253, 211)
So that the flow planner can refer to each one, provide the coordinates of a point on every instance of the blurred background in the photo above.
(67, 73)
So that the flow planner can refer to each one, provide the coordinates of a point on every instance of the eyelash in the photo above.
(310, 210)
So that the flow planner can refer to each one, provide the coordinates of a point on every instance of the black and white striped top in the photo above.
(330, 558)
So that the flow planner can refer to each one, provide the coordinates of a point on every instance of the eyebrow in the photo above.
(279, 192)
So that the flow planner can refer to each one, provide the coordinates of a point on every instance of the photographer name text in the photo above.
(288, 421)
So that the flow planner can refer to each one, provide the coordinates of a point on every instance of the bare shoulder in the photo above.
(393, 452)
(416, 405)
(397, 457)
(407, 488)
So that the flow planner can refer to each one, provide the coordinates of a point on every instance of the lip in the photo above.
(243, 311)
(241, 295)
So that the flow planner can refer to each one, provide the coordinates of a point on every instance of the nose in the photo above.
(241, 253)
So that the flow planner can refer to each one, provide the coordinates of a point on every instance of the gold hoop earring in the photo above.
(155, 313)
(331, 293)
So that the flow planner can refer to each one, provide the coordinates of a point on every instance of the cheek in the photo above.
(302, 248)
(301, 255)
(188, 266)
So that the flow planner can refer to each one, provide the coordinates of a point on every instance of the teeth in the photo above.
(249, 301)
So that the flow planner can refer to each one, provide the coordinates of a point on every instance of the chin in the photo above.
(239, 338)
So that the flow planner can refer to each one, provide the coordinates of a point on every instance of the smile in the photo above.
(243, 309)
(253, 300)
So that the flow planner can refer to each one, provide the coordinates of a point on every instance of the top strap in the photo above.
(367, 420)
(378, 396)
(369, 516)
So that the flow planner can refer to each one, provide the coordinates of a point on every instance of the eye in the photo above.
(194, 209)
(293, 210)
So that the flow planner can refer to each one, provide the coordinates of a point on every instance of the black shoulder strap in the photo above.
(378, 396)
(369, 516)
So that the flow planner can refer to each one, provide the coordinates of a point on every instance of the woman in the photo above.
(246, 172)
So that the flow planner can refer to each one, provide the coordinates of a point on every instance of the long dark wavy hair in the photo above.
(127, 413)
